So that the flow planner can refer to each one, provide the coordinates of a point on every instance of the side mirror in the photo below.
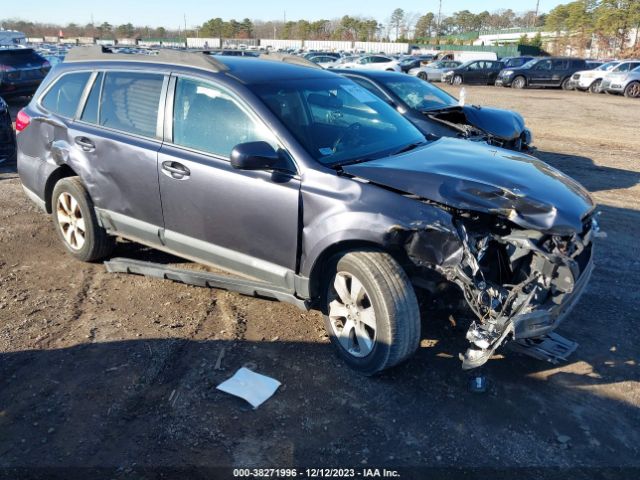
(256, 156)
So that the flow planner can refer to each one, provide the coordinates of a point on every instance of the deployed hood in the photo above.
(495, 121)
(499, 123)
(472, 176)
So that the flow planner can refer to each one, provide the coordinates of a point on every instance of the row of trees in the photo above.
(607, 25)
(400, 25)
(578, 23)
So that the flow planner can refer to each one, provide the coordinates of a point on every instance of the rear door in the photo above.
(244, 221)
(115, 143)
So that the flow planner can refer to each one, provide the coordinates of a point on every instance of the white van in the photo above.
(462, 56)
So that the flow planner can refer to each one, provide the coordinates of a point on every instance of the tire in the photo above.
(565, 84)
(457, 80)
(423, 76)
(595, 86)
(519, 83)
(632, 90)
(73, 213)
(387, 300)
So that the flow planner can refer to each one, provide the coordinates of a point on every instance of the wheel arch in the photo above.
(64, 171)
(317, 270)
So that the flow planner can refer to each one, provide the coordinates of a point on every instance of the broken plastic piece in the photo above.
(552, 347)
(253, 387)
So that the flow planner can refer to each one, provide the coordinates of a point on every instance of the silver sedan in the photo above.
(433, 71)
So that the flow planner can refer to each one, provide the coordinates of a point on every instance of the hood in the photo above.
(472, 176)
(500, 123)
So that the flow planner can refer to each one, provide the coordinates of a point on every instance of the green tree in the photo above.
(397, 19)
(425, 25)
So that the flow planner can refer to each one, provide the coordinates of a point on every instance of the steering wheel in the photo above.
(348, 137)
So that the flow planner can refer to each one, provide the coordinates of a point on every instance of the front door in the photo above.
(243, 221)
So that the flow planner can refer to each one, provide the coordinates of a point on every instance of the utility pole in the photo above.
(439, 20)
(537, 10)
(185, 27)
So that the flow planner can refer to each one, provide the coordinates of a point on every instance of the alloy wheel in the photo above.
(633, 90)
(352, 316)
(70, 221)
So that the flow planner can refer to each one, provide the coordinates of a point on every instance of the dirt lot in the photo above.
(109, 370)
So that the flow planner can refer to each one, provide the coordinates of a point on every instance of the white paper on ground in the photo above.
(251, 386)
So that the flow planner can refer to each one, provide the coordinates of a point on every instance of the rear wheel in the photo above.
(371, 311)
(595, 86)
(75, 221)
(518, 83)
(565, 84)
(632, 90)
(423, 76)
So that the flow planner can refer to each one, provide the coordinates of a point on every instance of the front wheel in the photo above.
(75, 221)
(565, 84)
(371, 311)
(423, 76)
(457, 80)
(519, 83)
(632, 90)
(595, 87)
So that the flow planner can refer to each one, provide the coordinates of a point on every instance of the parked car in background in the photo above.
(432, 72)
(438, 114)
(480, 72)
(466, 56)
(374, 62)
(542, 72)
(511, 62)
(315, 53)
(590, 80)
(345, 205)
(21, 71)
(415, 61)
(623, 82)
(324, 61)
(7, 136)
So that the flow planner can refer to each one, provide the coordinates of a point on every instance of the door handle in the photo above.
(85, 144)
(175, 170)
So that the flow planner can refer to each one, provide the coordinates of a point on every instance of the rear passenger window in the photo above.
(65, 94)
(130, 102)
(208, 119)
(90, 113)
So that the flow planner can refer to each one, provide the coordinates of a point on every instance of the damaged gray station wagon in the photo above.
(309, 186)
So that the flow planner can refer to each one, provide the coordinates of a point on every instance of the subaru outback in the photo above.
(303, 180)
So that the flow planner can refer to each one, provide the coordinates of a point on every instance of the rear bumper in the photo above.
(14, 89)
(543, 321)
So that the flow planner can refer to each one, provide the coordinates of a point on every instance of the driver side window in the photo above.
(209, 119)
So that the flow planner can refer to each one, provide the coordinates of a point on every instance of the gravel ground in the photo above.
(110, 370)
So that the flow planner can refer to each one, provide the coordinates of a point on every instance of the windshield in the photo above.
(419, 94)
(530, 63)
(337, 121)
(608, 66)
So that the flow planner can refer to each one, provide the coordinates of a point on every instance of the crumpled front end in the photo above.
(519, 283)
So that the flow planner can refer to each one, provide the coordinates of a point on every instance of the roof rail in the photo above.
(166, 56)
(283, 57)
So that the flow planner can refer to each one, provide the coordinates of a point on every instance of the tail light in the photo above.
(6, 68)
(22, 121)
(46, 64)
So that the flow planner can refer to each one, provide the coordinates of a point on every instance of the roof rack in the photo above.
(283, 57)
(171, 57)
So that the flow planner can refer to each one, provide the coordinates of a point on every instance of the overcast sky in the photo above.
(170, 13)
